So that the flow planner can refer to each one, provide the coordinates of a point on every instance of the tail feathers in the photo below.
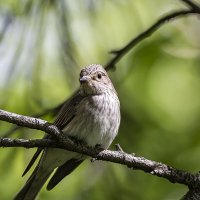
(32, 186)
(35, 156)
(63, 171)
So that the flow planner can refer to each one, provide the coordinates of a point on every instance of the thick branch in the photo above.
(192, 194)
(131, 161)
(53, 111)
(29, 122)
(120, 157)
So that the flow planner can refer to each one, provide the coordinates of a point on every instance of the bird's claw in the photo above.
(118, 148)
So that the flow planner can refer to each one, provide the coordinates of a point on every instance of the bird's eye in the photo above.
(99, 76)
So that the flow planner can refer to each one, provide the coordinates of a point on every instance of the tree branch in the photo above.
(53, 111)
(145, 34)
(29, 122)
(120, 157)
(192, 5)
(124, 50)
(129, 160)
(155, 168)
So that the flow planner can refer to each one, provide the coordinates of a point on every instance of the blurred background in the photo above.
(44, 44)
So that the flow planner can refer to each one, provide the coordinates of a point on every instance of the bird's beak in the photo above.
(84, 79)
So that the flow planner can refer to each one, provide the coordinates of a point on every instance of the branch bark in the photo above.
(192, 194)
(133, 162)
(192, 5)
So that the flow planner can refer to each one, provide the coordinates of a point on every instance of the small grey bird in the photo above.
(91, 115)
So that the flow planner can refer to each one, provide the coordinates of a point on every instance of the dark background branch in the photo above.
(192, 5)
(120, 53)
(147, 33)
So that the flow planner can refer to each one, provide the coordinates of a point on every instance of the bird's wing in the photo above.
(63, 171)
(68, 111)
(65, 115)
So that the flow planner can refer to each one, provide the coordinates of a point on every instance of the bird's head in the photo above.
(94, 80)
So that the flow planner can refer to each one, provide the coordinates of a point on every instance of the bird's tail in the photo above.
(33, 184)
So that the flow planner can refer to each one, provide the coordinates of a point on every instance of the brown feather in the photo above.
(68, 111)
(34, 158)
(63, 171)
(66, 114)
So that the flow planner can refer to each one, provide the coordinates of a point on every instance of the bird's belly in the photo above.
(95, 124)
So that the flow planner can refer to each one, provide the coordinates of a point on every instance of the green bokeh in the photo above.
(44, 44)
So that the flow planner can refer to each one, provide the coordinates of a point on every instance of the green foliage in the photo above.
(43, 44)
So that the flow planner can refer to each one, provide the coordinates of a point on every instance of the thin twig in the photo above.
(192, 5)
(145, 34)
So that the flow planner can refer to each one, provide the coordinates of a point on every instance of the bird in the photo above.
(91, 115)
